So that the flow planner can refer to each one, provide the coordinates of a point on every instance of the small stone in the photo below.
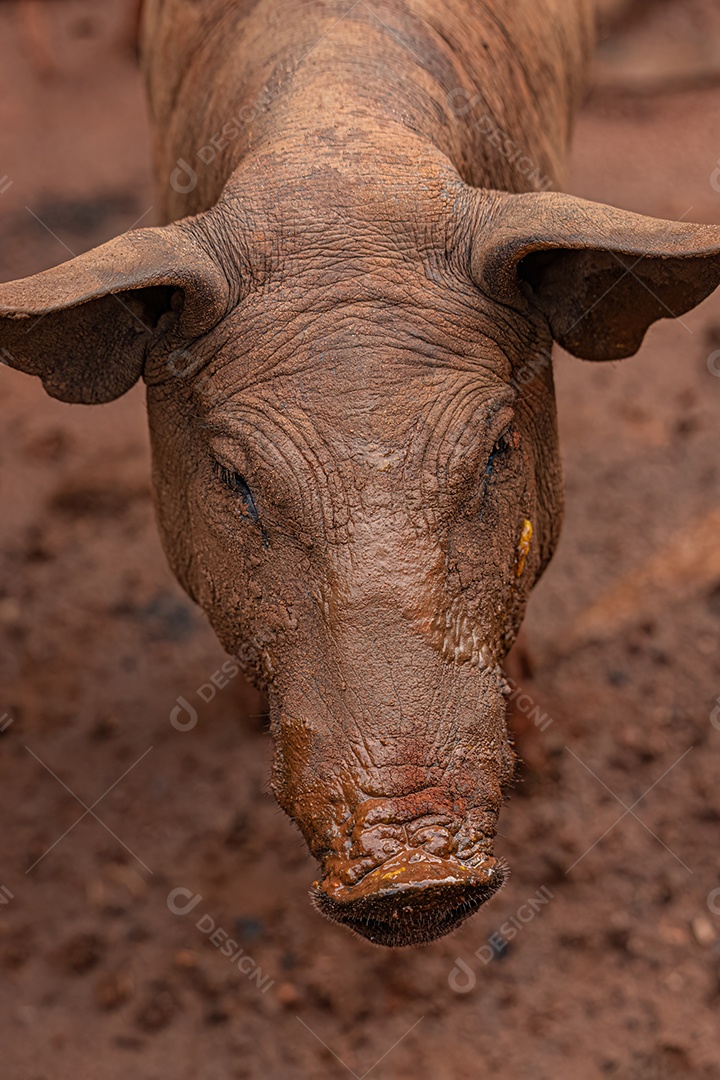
(128, 877)
(703, 930)
(287, 994)
(185, 958)
(673, 935)
(113, 989)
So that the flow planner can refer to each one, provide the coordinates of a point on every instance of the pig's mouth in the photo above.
(412, 898)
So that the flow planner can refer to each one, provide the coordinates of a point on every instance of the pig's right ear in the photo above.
(85, 326)
(600, 276)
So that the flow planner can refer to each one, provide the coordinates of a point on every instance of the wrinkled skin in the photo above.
(381, 582)
(355, 477)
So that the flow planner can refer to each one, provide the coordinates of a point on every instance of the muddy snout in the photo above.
(407, 883)
(411, 899)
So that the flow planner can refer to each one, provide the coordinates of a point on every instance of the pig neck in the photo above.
(489, 87)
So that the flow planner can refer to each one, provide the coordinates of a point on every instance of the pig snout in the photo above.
(397, 877)
(394, 770)
(411, 899)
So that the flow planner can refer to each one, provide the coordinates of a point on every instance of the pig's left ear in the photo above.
(599, 275)
(85, 326)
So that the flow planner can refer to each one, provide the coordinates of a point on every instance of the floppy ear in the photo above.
(85, 326)
(599, 275)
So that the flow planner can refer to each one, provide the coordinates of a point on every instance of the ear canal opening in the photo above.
(157, 302)
(531, 268)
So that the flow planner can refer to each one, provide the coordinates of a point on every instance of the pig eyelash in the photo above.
(238, 485)
(503, 444)
(500, 448)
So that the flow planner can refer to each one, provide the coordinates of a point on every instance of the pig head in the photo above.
(356, 473)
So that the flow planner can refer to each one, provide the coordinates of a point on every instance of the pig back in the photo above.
(493, 84)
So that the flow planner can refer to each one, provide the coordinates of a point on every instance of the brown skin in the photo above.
(354, 475)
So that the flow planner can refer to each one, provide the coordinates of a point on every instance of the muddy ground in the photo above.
(601, 957)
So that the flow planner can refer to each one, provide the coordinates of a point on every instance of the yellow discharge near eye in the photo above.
(523, 546)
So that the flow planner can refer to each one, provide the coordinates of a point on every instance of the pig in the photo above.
(365, 250)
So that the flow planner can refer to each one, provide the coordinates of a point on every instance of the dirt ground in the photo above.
(601, 957)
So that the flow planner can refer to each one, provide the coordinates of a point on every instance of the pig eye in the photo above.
(237, 484)
(499, 450)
